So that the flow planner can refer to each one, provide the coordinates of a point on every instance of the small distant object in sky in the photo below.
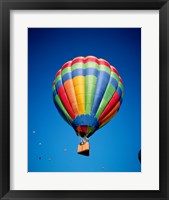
(40, 143)
(139, 156)
(87, 92)
(34, 131)
(65, 149)
(40, 158)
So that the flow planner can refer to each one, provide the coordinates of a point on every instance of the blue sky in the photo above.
(52, 144)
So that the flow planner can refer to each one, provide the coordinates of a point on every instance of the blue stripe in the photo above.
(114, 82)
(59, 84)
(119, 91)
(85, 120)
(91, 71)
(102, 81)
(96, 103)
(82, 72)
(121, 101)
(54, 93)
(78, 72)
(66, 77)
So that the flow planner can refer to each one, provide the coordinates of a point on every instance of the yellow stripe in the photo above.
(78, 80)
(79, 86)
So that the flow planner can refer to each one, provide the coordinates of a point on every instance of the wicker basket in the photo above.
(83, 149)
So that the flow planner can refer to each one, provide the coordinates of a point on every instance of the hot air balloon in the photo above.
(88, 93)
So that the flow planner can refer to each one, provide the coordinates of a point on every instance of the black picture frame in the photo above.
(5, 7)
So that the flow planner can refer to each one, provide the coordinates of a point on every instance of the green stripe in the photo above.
(58, 78)
(115, 76)
(85, 66)
(105, 68)
(91, 65)
(77, 66)
(101, 107)
(53, 88)
(66, 70)
(61, 106)
(105, 100)
(121, 85)
(88, 108)
(91, 79)
(90, 85)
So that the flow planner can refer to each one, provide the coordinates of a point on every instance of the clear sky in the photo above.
(52, 143)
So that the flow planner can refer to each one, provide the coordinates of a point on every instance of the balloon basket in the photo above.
(83, 149)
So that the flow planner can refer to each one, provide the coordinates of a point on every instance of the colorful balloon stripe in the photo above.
(64, 99)
(69, 88)
(87, 92)
(62, 109)
(85, 73)
(85, 60)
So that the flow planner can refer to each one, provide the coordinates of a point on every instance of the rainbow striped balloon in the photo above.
(87, 92)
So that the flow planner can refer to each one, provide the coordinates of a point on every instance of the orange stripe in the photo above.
(105, 122)
(69, 88)
(110, 114)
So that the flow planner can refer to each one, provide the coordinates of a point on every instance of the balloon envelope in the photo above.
(88, 93)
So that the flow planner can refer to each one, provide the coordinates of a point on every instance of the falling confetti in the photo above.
(65, 150)
(34, 131)
(40, 143)
(39, 158)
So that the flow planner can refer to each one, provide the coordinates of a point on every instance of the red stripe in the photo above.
(120, 79)
(113, 69)
(65, 101)
(78, 59)
(58, 73)
(85, 60)
(104, 62)
(110, 105)
(89, 59)
(67, 64)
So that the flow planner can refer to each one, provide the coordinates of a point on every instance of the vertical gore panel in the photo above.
(62, 108)
(106, 121)
(90, 85)
(69, 88)
(102, 81)
(110, 105)
(111, 113)
(106, 98)
(63, 96)
(79, 83)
